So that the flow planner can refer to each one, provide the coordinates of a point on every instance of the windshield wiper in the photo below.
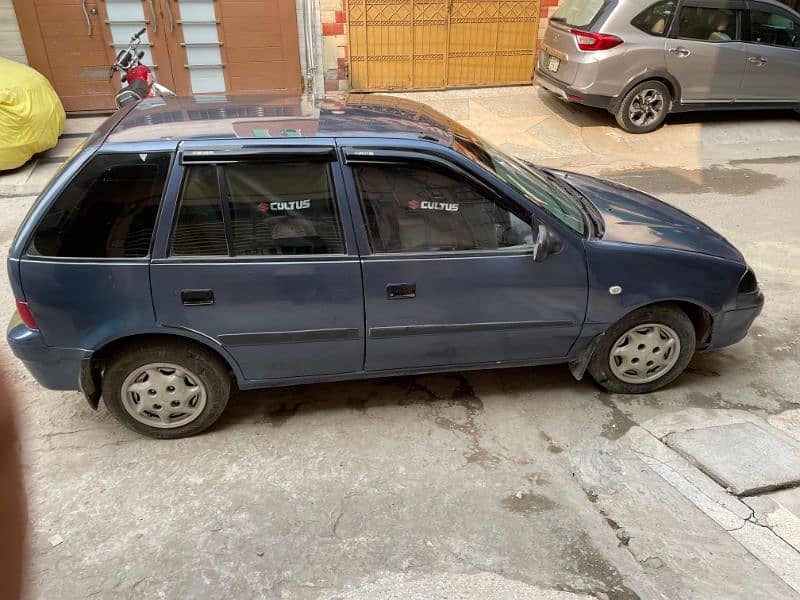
(589, 209)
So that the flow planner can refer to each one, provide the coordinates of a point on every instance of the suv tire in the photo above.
(644, 108)
(166, 390)
(644, 351)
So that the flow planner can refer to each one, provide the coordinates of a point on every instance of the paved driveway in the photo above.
(494, 484)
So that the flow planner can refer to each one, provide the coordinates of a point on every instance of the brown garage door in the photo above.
(195, 46)
(427, 44)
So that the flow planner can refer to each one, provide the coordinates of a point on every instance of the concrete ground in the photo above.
(495, 484)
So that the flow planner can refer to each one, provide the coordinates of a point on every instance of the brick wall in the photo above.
(10, 40)
(334, 44)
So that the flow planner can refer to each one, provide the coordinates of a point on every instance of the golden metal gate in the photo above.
(430, 44)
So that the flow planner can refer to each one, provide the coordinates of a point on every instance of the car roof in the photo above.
(279, 116)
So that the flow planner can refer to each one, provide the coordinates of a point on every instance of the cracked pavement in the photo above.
(519, 483)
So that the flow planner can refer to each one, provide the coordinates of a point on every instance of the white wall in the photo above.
(10, 40)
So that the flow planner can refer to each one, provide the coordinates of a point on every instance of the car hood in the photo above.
(634, 217)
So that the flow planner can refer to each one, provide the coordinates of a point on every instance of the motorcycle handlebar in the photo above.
(141, 33)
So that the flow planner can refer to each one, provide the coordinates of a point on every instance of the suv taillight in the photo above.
(588, 41)
(25, 314)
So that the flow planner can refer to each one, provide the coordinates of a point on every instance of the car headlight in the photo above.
(748, 284)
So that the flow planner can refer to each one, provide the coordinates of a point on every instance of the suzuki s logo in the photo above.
(266, 207)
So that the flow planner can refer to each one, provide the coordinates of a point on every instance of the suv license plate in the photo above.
(553, 63)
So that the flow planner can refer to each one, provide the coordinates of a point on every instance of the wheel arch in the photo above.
(673, 85)
(93, 365)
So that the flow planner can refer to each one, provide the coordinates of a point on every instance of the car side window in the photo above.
(418, 208)
(709, 24)
(773, 28)
(108, 210)
(655, 19)
(269, 209)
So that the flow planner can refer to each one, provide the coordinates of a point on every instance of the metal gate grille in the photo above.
(430, 44)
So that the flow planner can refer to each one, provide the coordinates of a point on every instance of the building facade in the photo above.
(208, 47)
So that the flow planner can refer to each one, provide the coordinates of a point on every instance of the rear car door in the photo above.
(772, 73)
(261, 259)
(705, 52)
(449, 277)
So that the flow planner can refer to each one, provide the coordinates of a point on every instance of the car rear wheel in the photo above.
(645, 107)
(645, 351)
(166, 390)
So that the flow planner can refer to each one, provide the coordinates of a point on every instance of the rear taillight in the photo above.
(25, 314)
(589, 41)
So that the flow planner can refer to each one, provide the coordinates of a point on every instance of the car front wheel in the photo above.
(166, 390)
(644, 108)
(645, 351)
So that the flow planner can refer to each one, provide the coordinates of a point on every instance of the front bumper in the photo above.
(570, 94)
(732, 326)
(53, 368)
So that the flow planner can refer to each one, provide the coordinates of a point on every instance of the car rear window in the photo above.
(655, 19)
(107, 211)
(578, 13)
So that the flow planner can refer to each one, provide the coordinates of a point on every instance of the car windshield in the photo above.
(532, 184)
(577, 13)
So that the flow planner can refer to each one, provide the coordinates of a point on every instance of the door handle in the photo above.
(681, 52)
(401, 291)
(90, 27)
(168, 4)
(155, 17)
(197, 297)
(758, 61)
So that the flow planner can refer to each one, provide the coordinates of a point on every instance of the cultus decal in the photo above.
(293, 205)
(428, 205)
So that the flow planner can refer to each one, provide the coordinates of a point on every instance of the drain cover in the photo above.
(745, 457)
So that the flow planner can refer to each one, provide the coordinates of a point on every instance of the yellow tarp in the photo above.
(31, 114)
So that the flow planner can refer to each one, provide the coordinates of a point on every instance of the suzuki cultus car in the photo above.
(191, 247)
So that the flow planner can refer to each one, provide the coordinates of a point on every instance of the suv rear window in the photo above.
(578, 13)
(107, 211)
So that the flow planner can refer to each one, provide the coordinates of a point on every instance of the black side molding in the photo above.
(289, 337)
(404, 330)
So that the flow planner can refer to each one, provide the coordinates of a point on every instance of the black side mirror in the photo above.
(546, 243)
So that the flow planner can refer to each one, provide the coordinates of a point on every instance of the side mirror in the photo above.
(545, 243)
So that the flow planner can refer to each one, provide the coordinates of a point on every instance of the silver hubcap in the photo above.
(645, 353)
(163, 395)
(646, 107)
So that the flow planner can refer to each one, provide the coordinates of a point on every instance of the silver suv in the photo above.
(642, 59)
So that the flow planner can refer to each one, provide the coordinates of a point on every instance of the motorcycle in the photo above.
(138, 80)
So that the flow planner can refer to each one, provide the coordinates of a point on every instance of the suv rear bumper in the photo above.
(570, 94)
(53, 368)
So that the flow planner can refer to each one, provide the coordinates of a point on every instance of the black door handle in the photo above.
(401, 291)
(197, 297)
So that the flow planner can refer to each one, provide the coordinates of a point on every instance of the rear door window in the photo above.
(578, 13)
(107, 211)
(655, 19)
(258, 209)
(709, 24)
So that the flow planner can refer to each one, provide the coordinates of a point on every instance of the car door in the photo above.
(261, 259)
(772, 73)
(705, 53)
(449, 277)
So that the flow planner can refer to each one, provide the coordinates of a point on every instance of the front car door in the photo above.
(261, 259)
(773, 56)
(449, 277)
(705, 52)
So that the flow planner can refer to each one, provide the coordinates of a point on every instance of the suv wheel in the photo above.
(645, 107)
(166, 390)
(644, 351)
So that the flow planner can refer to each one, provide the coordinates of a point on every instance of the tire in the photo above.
(641, 338)
(656, 101)
(201, 388)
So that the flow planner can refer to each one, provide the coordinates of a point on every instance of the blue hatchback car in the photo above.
(195, 245)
